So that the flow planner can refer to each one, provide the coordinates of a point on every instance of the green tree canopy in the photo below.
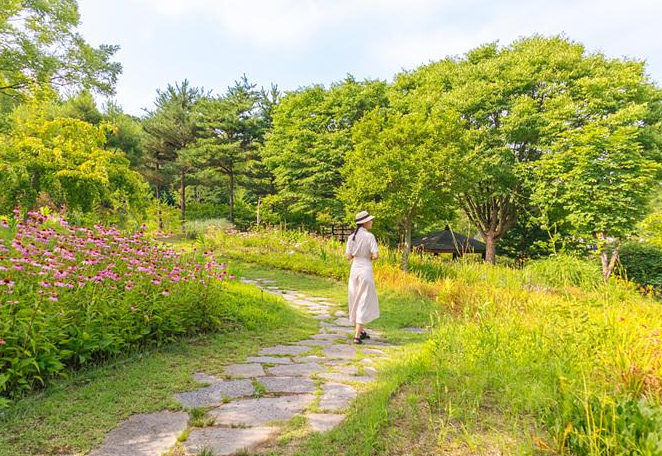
(399, 170)
(307, 147)
(63, 162)
(39, 46)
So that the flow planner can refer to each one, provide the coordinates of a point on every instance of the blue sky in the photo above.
(296, 43)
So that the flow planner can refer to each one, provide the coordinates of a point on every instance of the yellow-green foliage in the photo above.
(550, 341)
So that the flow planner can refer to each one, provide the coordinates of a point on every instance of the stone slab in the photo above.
(214, 393)
(144, 435)
(309, 359)
(284, 350)
(340, 351)
(324, 316)
(296, 385)
(324, 422)
(269, 359)
(315, 343)
(256, 412)
(226, 441)
(340, 313)
(343, 321)
(244, 370)
(336, 396)
(294, 370)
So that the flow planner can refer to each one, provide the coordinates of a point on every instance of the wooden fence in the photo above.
(340, 232)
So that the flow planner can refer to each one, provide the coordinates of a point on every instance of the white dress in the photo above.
(363, 303)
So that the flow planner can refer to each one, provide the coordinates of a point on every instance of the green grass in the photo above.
(543, 359)
(74, 415)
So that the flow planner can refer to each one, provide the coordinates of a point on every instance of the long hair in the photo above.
(356, 230)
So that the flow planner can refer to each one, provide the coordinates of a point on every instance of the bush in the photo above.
(642, 262)
(560, 271)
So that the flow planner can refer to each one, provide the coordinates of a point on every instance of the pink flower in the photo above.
(45, 284)
(134, 308)
(165, 292)
(7, 282)
(156, 281)
(2, 342)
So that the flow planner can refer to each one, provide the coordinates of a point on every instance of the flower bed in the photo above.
(70, 296)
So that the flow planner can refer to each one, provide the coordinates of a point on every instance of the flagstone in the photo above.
(288, 384)
(323, 422)
(144, 435)
(255, 412)
(244, 370)
(214, 393)
(296, 369)
(336, 396)
(226, 441)
(284, 350)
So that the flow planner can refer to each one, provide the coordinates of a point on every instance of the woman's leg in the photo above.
(358, 331)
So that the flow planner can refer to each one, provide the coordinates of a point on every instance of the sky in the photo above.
(297, 43)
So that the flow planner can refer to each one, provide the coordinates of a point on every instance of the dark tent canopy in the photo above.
(447, 241)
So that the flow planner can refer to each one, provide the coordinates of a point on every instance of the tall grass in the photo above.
(550, 341)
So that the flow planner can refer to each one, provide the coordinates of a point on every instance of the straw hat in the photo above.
(363, 217)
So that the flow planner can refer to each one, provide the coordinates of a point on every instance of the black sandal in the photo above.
(364, 335)
(358, 341)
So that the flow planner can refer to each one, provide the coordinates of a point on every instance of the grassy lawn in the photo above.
(72, 416)
(409, 410)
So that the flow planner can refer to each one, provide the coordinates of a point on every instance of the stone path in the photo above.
(316, 378)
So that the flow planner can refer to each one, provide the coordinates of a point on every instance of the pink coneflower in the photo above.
(2, 342)
(156, 281)
(165, 292)
(134, 308)
(4, 224)
(53, 298)
(7, 282)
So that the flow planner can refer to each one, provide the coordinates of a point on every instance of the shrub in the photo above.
(560, 271)
(642, 262)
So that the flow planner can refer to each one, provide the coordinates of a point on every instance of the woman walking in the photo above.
(362, 249)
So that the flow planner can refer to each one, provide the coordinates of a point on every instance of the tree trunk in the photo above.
(182, 196)
(259, 202)
(608, 260)
(407, 247)
(231, 197)
(159, 214)
(490, 248)
(491, 214)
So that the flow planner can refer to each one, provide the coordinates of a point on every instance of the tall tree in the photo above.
(510, 103)
(399, 170)
(310, 139)
(171, 132)
(40, 46)
(230, 132)
(601, 173)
